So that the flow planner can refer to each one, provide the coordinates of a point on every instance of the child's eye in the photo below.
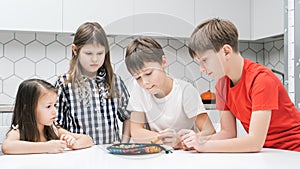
(100, 53)
(49, 106)
(148, 73)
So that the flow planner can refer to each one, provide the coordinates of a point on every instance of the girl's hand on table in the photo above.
(56, 146)
(69, 140)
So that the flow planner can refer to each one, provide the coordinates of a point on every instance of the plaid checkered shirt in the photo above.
(96, 117)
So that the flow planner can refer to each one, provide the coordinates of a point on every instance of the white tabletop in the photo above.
(98, 157)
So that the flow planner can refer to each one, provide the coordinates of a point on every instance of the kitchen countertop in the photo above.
(98, 157)
(9, 107)
(210, 106)
(6, 107)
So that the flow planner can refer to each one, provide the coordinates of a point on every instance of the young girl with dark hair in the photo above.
(32, 129)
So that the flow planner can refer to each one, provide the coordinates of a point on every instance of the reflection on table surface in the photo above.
(99, 157)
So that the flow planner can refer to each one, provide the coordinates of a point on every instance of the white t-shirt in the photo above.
(177, 110)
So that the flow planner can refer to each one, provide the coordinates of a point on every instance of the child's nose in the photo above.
(202, 68)
(94, 58)
(145, 81)
(54, 111)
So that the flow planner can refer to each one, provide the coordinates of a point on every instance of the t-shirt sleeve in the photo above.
(192, 103)
(221, 94)
(134, 103)
(264, 93)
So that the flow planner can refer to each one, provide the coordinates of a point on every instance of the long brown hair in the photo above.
(24, 114)
(89, 33)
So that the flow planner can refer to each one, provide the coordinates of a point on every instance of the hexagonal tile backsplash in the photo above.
(26, 55)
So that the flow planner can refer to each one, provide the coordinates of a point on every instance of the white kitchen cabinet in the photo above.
(114, 15)
(268, 18)
(171, 18)
(31, 15)
(237, 11)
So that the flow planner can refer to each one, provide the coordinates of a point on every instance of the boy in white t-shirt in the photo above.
(164, 104)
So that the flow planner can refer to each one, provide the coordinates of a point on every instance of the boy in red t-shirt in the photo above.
(245, 90)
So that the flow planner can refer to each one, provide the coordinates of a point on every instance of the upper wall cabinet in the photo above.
(255, 19)
(114, 15)
(268, 18)
(172, 18)
(237, 11)
(31, 15)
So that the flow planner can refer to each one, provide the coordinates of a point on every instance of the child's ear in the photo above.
(74, 49)
(164, 61)
(227, 49)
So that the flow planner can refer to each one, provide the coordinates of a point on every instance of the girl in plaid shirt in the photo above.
(91, 96)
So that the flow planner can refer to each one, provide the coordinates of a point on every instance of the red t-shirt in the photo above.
(260, 89)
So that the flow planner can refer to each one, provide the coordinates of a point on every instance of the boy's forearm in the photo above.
(204, 125)
(221, 135)
(207, 132)
(141, 135)
(243, 144)
(126, 132)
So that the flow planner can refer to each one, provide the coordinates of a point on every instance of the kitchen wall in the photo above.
(26, 55)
